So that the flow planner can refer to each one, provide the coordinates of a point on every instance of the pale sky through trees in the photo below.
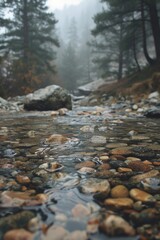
(59, 4)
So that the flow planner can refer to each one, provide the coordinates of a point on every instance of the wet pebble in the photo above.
(60, 217)
(9, 153)
(119, 203)
(131, 159)
(51, 167)
(93, 224)
(139, 166)
(88, 164)
(139, 195)
(140, 177)
(104, 174)
(124, 170)
(86, 170)
(116, 145)
(54, 113)
(119, 191)
(62, 111)
(104, 158)
(18, 234)
(117, 226)
(139, 138)
(116, 164)
(87, 129)
(31, 134)
(58, 232)
(80, 211)
(121, 151)
(23, 179)
(98, 140)
(33, 224)
(77, 235)
(151, 184)
(57, 138)
(94, 185)
(104, 166)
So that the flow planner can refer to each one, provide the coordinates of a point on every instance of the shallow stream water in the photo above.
(24, 148)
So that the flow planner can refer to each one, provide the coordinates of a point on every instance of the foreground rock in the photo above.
(18, 234)
(117, 226)
(50, 98)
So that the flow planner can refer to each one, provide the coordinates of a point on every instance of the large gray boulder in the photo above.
(49, 98)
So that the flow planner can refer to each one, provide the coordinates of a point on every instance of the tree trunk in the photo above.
(25, 32)
(148, 58)
(134, 46)
(120, 59)
(155, 26)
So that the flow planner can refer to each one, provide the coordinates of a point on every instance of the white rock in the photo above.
(135, 107)
(140, 110)
(154, 95)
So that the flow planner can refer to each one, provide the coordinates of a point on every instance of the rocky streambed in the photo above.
(90, 173)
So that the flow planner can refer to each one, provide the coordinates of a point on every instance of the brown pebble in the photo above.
(104, 158)
(139, 166)
(54, 113)
(123, 170)
(117, 157)
(104, 166)
(117, 226)
(89, 164)
(156, 163)
(119, 191)
(57, 138)
(18, 234)
(140, 195)
(80, 211)
(119, 202)
(139, 177)
(121, 151)
(22, 179)
(147, 162)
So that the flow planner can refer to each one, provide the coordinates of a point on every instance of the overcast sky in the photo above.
(54, 4)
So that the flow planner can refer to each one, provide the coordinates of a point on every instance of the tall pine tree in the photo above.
(135, 25)
(30, 41)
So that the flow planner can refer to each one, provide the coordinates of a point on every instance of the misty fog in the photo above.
(75, 65)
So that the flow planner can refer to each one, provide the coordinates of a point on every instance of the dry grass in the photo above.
(141, 83)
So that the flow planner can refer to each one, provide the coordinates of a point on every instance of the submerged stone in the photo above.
(18, 234)
(94, 185)
(117, 226)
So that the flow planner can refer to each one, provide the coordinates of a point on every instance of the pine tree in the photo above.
(136, 26)
(30, 40)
